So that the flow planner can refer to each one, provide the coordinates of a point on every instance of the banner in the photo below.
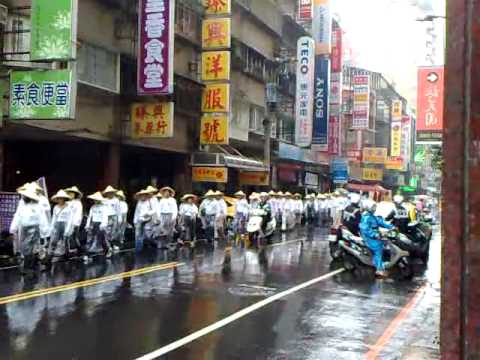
(337, 50)
(156, 21)
(209, 174)
(334, 133)
(322, 27)
(214, 130)
(217, 7)
(397, 110)
(254, 178)
(43, 95)
(215, 65)
(339, 169)
(216, 98)
(152, 120)
(361, 102)
(374, 155)
(216, 33)
(396, 139)
(405, 144)
(53, 33)
(394, 163)
(372, 174)
(320, 108)
(430, 103)
(8, 207)
(304, 93)
(305, 10)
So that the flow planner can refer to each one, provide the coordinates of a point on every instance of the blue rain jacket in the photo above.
(370, 224)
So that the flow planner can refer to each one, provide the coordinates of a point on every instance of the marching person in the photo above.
(254, 200)
(77, 216)
(274, 204)
(309, 209)
(289, 211)
(28, 226)
(96, 227)
(241, 213)
(45, 205)
(113, 211)
(122, 224)
(167, 212)
(188, 214)
(298, 208)
(143, 219)
(221, 216)
(61, 226)
(208, 213)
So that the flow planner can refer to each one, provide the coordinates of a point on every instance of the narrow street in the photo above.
(129, 307)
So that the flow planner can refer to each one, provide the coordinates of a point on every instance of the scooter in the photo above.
(337, 234)
(357, 253)
(416, 242)
(254, 227)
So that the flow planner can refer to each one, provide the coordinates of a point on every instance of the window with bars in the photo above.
(17, 41)
(187, 22)
(251, 62)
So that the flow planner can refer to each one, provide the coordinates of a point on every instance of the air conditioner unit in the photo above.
(3, 15)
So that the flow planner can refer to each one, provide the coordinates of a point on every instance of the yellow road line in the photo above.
(85, 283)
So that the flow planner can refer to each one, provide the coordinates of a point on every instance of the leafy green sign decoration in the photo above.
(42, 94)
(53, 30)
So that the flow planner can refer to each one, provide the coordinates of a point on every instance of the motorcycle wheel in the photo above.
(426, 256)
(336, 251)
(406, 269)
(349, 262)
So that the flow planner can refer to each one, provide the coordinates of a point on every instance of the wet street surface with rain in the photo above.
(146, 305)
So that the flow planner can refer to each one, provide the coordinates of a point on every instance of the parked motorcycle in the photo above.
(357, 254)
(254, 227)
(416, 242)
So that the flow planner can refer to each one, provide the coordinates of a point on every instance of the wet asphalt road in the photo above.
(341, 317)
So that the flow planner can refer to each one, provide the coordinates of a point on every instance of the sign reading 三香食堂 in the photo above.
(214, 130)
(53, 31)
(152, 120)
(155, 47)
(209, 174)
(42, 95)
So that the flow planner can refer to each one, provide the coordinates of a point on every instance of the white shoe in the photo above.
(109, 254)
(85, 259)
(116, 249)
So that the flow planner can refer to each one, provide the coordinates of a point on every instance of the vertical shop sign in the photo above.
(305, 10)
(42, 94)
(217, 7)
(216, 98)
(337, 50)
(152, 120)
(216, 33)
(396, 139)
(405, 145)
(430, 103)
(321, 98)
(155, 47)
(361, 102)
(53, 33)
(304, 93)
(334, 126)
(214, 130)
(397, 110)
(322, 27)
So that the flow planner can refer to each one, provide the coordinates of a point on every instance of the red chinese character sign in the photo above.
(155, 47)
(216, 98)
(217, 7)
(152, 120)
(430, 103)
(214, 130)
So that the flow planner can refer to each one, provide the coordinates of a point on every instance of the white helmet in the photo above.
(354, 198)
(370, 205)
(398, 199)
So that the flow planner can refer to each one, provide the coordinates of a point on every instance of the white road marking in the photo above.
(229, 319)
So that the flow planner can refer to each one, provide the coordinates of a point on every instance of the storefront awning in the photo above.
(367, 188)
(231, 161)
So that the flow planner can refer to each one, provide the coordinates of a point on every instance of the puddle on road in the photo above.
(251, 290)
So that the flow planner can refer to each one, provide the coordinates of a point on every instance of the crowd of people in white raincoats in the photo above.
(42, 236)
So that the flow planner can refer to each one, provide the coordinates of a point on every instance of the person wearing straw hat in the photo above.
(254, 200)
(320, 207)
(144, 218)
(122, 223)
(28, 226)
(61, 227)
(96, 227)
(167, 211)
(297, 208)
(43, 200)
(240, 217)
(113, 211)
(188, 214)
(77, 215)
(208, 212)
(221, 216)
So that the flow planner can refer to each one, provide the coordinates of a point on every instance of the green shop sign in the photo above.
(53, 30)
(42, 94)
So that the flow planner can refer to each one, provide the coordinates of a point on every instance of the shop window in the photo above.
(98, 67)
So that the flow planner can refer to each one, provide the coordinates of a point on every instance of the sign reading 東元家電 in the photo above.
(42, 94)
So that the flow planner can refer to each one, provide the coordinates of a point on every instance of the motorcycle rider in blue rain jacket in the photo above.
(369, 230)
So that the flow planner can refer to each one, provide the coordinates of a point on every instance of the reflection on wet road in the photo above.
(127, 316)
